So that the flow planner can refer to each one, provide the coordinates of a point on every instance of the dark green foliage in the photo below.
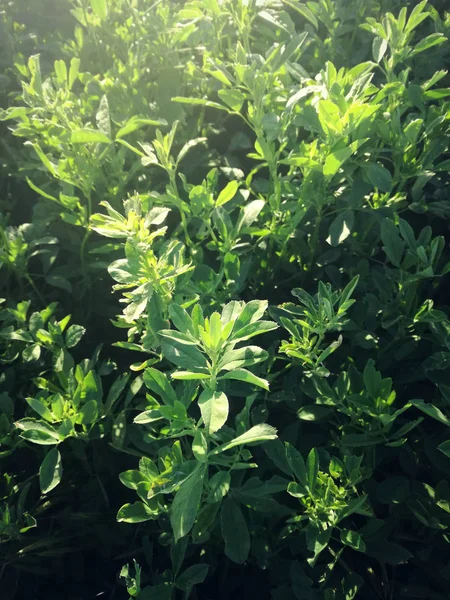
(224, 327)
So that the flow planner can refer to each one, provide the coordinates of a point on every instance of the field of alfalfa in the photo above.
(224, 283)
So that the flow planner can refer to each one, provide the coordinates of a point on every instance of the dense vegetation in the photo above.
(225, 334)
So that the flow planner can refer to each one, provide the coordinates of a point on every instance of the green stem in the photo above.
(35, 289)
(185, 230)
(82, 253)
(174, 191)
(86, 236)
(315, 238)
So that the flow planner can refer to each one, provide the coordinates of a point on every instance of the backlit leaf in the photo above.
(50, 471)
(89, 136)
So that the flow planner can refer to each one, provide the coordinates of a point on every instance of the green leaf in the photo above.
(148, 468)
(234, 532)
(163, 591)
(372, 379)
(115, 390)
(312, 468)
(100, 8)
(271, 19)
(388, 552)
(192, 576)
(214, 408)
(432, 411)
(251, 312)
(233, 98)
(253, 329)
(215, 330)
(335, 160)
(31, 353)
(131, 479)
(329, 117)
(341, 228)
(200, 102)
(242, 357)
(61, 71)
(220, 74)
(296, 490)
(318, 543)
(119, 271)
(188, 146)
(206, 520)
(353, 539)
(190, 376)
(259, 433)
(136, 513)
(181, 319)
(249, 214)
(407, 234)
(303, 10)
(91, 387)
(393, 490)
(438, 361)
(417, 16)
(74, 335)
(200, 447)
(379, 177)
(178, 555)
(219, 486)
(248, 377)
(89, 412)
(73, 71)
(357, 440)
(231, 311)
(60, 282)
(445, 448)
(38, 432)
(171, 479)
(438, 94)
(357, 506)
(41, 409)
(297, 464)
(228, 193)
(393, 246)
(276, 451)
(89, 136)
(186, 503)
(50, 471)
(119, 430)
(44, 158)
(416, 96)
(136, 123)
(41, 192)
(379, 47)
(157, 382)
(44, 336)
(178, 337)
(183, 355)
(102, 117)
(314, 412)
(412, 131)
(428, 42)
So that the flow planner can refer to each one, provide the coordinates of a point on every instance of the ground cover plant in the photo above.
(224, 327)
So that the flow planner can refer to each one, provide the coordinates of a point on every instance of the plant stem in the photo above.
(35, 289)
(315, 238)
